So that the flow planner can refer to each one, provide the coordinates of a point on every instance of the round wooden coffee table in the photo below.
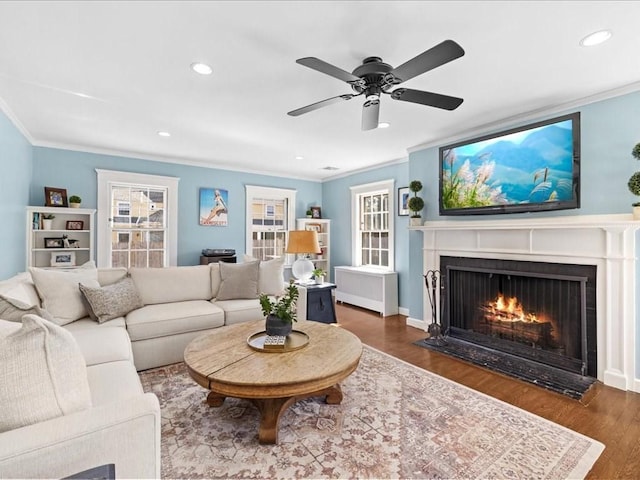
(223, 362)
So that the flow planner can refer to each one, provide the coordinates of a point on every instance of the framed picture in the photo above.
(316, 212)
(54, 242)
(403, 201)
(55, 197)
(214, 208)
(314, 226)
(63, 259)
(75, 224)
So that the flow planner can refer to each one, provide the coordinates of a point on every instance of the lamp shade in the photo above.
(303, 241)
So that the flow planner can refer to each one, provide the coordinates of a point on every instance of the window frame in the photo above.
(383, 186)
(106, 178)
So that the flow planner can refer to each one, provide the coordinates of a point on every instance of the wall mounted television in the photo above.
(531, 168)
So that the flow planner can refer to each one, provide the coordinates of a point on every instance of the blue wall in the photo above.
(610, 129)
(336, 204)
(16, 166)
(75, 171)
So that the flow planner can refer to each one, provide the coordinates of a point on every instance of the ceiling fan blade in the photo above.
(328, 69)
(427, 98)
(370, 114)
(434, 57)
(320, 104)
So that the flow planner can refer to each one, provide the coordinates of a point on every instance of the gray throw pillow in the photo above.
(111, 301)
(238, 280)
(13, 310)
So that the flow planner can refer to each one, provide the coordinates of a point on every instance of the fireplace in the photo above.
(543, 312)
(607, 242)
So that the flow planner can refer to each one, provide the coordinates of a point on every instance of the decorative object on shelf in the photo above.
(47, 221)
(634, 183)
(303, 242)
(316, 212)
(54, 242)
(75, 225)
(319, 274)
(63, 259)
(403, 202)
(55, 197)
(309, 214)
(316, 227)
(415, 203)
(75, 201)
(281, 313)
(214, 207)
(70, 242)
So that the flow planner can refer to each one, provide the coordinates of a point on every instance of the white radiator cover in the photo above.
(369, 288)
(607, 241)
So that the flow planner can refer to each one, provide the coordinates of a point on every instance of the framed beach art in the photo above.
(403, 201)
(213, 207)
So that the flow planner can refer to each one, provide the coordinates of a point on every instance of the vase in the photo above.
(636, 212)
(74, 205)
(319, 279)
(47, 224)
(415, 221)
(276, 326)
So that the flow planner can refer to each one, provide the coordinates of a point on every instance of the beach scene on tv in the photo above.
(530, 166)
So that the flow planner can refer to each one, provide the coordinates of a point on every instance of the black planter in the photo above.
(276, 326)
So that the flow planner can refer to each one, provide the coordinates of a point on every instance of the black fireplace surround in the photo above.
(543, 312)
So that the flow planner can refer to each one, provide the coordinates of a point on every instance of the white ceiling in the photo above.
(132, 60)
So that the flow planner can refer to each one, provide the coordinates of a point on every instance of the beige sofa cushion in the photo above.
(237, 311)
(107, 276)
(111, 301)
(105, 376)
(43, 373)
(238, 280)
(152, 321)
(270, 275)
(59, 292)
(18, 297)
(172, 284)
(103, 345)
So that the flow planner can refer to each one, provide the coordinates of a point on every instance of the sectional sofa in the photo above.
(71, 344)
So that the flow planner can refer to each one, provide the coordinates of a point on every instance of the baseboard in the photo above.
(417, 323)
(403, 311)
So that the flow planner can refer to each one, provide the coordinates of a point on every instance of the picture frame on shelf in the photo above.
(75, 225)
(403, 201)
(55, 197)
(316, 212)
(54, 242)
(63, 259)
(316, 227)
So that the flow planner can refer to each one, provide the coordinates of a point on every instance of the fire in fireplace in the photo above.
(539, 311)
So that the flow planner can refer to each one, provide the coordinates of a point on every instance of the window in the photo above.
(373, 212)
(270, 215)
(137, 220)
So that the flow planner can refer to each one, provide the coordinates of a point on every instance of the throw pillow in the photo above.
(270, 276)
(111, 301)
(60, 294)
(13, 310)
(43, 373)
(238, 280)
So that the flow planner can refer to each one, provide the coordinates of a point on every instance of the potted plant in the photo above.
(281, 313)
(75, 201)
(47, 221)
(416, 203)
(319, 274)
(309, 214)
(634, 183)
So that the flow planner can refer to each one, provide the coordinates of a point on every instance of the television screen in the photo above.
(531, 168)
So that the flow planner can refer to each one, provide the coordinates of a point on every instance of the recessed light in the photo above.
(299, 157)
(164, 134)
(596, 38)
(384, 125)
(330, 168)
(201, 68)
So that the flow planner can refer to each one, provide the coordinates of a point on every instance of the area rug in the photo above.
(395, 421)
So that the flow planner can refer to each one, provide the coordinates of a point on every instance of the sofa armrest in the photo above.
(125, 433)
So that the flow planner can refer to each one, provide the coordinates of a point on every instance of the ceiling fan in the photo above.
(374, 77)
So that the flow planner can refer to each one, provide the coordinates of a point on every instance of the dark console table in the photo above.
(207, 260)
(320, 305)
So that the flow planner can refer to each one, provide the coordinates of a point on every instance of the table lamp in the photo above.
(303, 242)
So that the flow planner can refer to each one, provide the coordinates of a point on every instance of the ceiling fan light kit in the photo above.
(374, 78)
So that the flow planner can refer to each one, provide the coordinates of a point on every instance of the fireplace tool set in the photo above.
(432, 282)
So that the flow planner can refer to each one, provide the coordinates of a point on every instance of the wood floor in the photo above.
(606, 414)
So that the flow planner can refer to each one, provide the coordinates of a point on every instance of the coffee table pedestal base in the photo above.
(271, 409)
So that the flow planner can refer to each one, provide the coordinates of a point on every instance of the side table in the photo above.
(316, 302)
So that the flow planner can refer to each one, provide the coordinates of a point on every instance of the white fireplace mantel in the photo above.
(607, 241)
